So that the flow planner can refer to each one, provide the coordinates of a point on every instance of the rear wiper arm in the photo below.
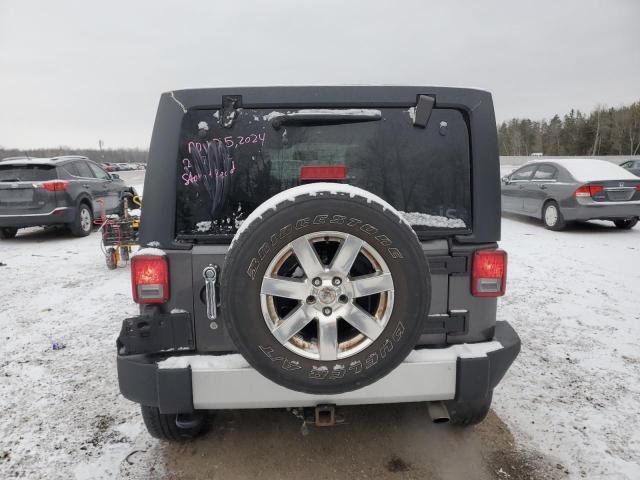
(334, 117)
(9, 180)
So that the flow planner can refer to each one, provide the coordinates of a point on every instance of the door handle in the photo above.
(210, 274)
(85, 185)
(520, 187)
(543, 187)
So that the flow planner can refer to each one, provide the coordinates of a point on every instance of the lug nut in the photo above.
(337, 281)
(316, 281)
(326, 311)
(311, 299)
(343, 299)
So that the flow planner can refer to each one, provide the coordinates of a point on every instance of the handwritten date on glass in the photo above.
(231, 141)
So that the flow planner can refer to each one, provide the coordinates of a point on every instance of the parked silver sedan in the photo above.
(576, 189)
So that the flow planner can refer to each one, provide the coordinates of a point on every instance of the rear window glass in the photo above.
(27, 173)
(225, 172)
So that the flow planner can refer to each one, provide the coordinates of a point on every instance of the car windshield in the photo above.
(27, 173)
(225, 172)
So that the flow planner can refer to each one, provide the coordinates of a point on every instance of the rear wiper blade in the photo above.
(325, 117)
(9, 179)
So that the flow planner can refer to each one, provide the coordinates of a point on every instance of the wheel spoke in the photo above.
(292, 324)
(371, 284)
(364, 322)
(284, 287)
(307, 257)
(328, 338)
(343, 260)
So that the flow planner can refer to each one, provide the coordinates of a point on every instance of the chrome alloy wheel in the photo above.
(327, 295)
(85, 220)
(551, 215)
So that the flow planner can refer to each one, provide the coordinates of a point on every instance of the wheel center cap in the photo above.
(327, 295)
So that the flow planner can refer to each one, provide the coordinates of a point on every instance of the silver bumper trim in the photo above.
(227, 382)
(44, 214)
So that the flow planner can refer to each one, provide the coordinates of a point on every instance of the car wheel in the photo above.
(8, 232)
(82, 225)
(326, 292)
(626, 224)
(165, 425)
(470, 412)
(552, 217)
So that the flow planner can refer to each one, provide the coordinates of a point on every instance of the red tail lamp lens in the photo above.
(588, 190)
(150, 278)
(489, 273)
(323, 172)
(55, 185)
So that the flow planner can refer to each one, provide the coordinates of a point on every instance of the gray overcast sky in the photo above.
(73, 72)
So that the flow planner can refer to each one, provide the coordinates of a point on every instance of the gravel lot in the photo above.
(569, 407)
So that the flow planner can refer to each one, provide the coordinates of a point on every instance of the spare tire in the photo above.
(325, 289)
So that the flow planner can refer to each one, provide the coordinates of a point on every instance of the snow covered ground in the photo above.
(61, 413)
(574, 392)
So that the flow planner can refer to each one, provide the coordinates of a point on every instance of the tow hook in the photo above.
(320, 416)
(189, 420)
(325, 415)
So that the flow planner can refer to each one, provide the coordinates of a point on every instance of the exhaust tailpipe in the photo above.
(438, 412)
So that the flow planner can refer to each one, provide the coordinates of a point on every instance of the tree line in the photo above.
(604, 131)
(115, 155)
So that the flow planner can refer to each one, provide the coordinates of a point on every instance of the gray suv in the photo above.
(313, 247)
(66, 190)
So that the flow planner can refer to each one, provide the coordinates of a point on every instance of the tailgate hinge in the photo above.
(424, 107)
(448, 323)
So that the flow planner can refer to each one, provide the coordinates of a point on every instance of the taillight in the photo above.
(323, 172)
(150, 278)
(489, 273)
(588, 190)
(638, 187)
(55, 185)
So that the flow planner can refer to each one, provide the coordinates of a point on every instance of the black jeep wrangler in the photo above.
(315, 247)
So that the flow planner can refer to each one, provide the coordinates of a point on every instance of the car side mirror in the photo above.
(115, 176)
(505, 179)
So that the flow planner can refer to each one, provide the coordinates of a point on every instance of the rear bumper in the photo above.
(54, 217)
(607, 211)
(207, 382)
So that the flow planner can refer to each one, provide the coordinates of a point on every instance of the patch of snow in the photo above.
(178, 310)
(203, 226)
(424, 219)
(412, 113)
(216, 114)
(203, 126)
(271, 115)
(104, 467)
(215, 362)
(148, 251)
(135, 212)
(368, 112)
(314, 189)
(590, 169)
(451, 353)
